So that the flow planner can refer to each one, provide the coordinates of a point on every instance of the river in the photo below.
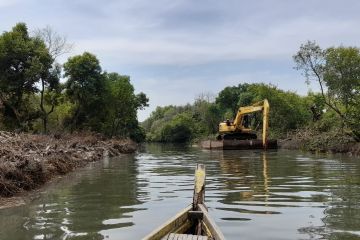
(250, 194)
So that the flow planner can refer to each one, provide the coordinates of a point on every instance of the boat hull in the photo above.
(184, 223)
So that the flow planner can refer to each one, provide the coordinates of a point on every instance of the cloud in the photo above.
(7, 3)
(281, 41)
(176, 49)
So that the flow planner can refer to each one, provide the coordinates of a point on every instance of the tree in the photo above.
(311, 60)
(57, 44)
(213, 118)
(178, 130)
(207, 113)
(142, 101)
(49, 93)
(337, 72)
(228, 99)
(122, 105)
(288, 111)
(85, 87)
(342, 77)
(231, 97)
(24, 60)
(50, 88)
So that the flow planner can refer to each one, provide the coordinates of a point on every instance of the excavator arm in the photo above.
(265, 122)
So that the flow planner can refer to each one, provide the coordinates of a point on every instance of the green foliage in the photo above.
(174, 124)
(310, 59)
(337, 71)
(61, 114)
(85, 88)
(342, 74)
(342, 77)
(32, 97)
(231, 97)
(122, 105)
(103, 102)
(288, 111)
(24, 61)
(208, 115)
(179, 129)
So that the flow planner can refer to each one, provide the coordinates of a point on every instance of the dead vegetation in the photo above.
(317, 141)
(28, 161)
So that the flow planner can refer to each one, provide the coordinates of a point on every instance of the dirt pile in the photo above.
(28, 161)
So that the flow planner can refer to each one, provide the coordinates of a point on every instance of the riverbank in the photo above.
(29, 161)
(324, 142)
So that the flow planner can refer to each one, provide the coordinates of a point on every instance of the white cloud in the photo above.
(280, 41)
(157, 38)
(7, 3)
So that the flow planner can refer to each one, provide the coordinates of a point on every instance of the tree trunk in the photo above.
(45, 124)
(43, 112)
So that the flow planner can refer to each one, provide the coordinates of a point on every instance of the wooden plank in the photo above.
(189, 237)
(209, 222)
(174, 236)
(167, 237)
(182, 236)
(199, 192)
(173, 224)
(203, 238)
(199, 185)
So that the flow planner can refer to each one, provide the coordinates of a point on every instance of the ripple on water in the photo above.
(252, 194)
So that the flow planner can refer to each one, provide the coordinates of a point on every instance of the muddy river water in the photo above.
(250, 194)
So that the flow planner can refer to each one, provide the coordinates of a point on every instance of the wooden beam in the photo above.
(172, 225)
(199, 186)
(210, 224)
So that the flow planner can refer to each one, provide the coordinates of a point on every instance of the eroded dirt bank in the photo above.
(28, 161)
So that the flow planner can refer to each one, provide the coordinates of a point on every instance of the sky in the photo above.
(175, 50)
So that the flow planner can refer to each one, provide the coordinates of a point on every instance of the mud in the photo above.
(28, 161)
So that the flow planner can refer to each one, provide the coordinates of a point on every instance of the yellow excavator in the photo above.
(239, 128)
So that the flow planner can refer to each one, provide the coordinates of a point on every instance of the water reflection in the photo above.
(83, 205)
(325, 191)
(252, 194)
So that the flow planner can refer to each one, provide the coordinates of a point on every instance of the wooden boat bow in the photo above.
(194, 221)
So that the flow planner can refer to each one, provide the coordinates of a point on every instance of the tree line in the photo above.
(334, 109)
(201, 119)
(33, 97)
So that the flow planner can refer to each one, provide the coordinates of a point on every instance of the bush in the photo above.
(180, 129)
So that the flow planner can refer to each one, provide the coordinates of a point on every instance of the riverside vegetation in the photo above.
(32, 98)
(87, 115)
(328, 120)
(104, 105)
